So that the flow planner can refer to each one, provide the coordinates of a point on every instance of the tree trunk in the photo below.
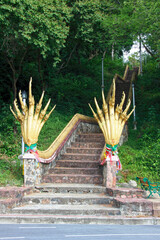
(64, 65)
(39, 70)
(14, 86)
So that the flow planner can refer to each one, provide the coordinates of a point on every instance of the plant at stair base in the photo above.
(31, 120)
(111, 121)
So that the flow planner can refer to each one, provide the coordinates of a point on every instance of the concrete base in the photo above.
(109, 173)
(32, 170)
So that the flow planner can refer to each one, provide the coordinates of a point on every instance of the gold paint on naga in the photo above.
(31, 119)
(111, 120)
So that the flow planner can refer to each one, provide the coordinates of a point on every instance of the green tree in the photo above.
(40, 26)
(145, 22)
(96, 27)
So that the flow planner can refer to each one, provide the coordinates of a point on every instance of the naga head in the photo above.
(111, 120)
(30, 118)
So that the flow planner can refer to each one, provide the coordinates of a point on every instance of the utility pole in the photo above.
(112, 52)
(134, 112)
(24, 98)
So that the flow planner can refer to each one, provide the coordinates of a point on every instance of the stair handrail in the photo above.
(133, 77)
(126, 71)
(110, 90)
(51, 153)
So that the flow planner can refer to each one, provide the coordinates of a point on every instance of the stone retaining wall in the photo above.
(11, 197)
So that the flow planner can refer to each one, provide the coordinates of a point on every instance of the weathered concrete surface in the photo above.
(82, 203)
(120, 220)
(67, 198)
(109, 174)
(134, 206)
(32, 170)
(156, 207)
(70, 188)
(125, 192)
(62, 209)
(11, 197)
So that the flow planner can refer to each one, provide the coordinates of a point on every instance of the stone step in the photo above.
(82, 157)
(89, 140)
(67, 170)
(11, 196)
(6, 204)
(156, 213)
(66, 198)
(73, 178)
(13, 192)
(84, 150)
(91, 135)
(79, 219)
(156, 203)
(134, 206)
(156, 207)
(77, 164)
(125, 192)
(95, 210)
(87, 144)
(70, 188)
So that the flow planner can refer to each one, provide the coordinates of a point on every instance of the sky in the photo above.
(135, 48)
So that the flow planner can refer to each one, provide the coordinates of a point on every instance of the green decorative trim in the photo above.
(33, 147)
(113, 148)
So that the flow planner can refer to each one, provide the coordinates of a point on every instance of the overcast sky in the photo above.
(135, 48)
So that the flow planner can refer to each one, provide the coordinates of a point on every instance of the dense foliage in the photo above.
(141, 154)
(44, 39)
(60, 44)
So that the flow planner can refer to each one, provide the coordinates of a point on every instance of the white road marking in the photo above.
(36, 227)
(118, 234)
(14, 238)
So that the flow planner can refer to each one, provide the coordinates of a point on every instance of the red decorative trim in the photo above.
(55, 154)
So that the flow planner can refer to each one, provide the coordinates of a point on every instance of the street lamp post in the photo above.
(24, 98)
(134, 113)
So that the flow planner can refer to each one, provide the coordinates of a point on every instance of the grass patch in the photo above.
(52, 128)
(140, 156)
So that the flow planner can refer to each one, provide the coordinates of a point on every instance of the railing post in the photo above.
(109, 173)
(32, 170)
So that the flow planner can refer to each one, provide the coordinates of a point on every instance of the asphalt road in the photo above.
(78, 232)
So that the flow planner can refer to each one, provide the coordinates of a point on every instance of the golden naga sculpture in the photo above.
(111, 121)
(31, 119)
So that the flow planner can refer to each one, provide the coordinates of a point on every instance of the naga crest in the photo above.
(111, 120)
(31, 119)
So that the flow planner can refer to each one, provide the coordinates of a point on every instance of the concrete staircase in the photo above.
(80, 163)
(72, 192)
(68, 203)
